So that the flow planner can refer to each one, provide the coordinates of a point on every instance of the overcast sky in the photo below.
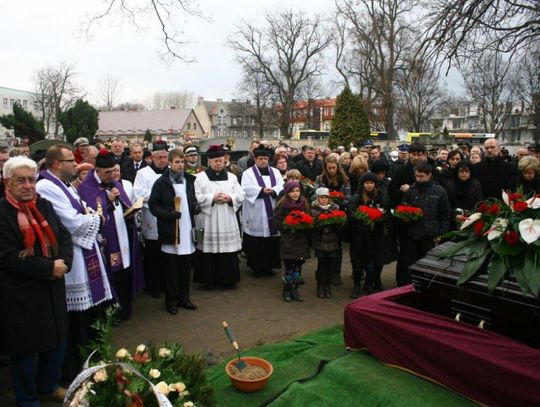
(38, 33)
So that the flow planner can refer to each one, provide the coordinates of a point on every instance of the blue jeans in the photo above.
(37, 373)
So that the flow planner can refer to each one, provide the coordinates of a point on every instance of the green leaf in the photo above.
(504, 249)
(476, 248)
(516, 265)
(463, 234)
(496, 271)
(455, 249)
(532, 271)
(472, 266)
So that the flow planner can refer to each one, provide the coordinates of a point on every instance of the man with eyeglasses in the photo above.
(142, 187)
(87, 285)
(35, 255)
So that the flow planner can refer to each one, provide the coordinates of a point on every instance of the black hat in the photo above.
(160, 145)
(261, 152)
(368, 176)
(379, 165)
(105, 159)
(215, 151)
(191, 150)
(462, 144)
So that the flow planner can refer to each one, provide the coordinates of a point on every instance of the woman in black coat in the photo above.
(447, 174)
(528, 180)
(464, 192)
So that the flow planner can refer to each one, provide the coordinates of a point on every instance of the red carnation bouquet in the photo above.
(408, 213)
(368, 215)
(338, 198)
(335, 218)
(298, 221)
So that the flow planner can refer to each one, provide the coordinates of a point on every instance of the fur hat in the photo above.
(368, 176)
(214, 151)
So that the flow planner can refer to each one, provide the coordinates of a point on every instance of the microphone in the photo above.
(110, 186)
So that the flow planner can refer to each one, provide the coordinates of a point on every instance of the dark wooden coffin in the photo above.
(506, 311)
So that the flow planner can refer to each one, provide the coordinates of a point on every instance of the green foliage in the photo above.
(121, 386)
(80, 120)
(350, 123)
(24, 124)
(148, 136)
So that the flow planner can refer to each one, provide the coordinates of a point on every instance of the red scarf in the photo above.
(31, 223)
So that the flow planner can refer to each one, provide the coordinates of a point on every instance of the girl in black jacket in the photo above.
(369, 246)
(294, 247)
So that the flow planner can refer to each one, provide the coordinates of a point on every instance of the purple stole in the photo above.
(267, 200)
(91, 259)
(92, 193)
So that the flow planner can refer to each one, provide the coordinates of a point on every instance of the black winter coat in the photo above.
(404, 174)
(464, 195)
(310, 171)
(161, 204)
(33, 306)
(494, 175)
(433, 200)
(370, 245)
(292, 246)
(529, 187)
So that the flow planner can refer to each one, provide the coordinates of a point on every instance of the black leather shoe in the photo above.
(172, 310)
(188, 305)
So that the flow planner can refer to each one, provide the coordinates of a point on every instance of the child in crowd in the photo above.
(325, 242)
(369, 246)
(294, 247)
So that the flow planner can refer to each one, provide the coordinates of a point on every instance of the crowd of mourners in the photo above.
(86, 228)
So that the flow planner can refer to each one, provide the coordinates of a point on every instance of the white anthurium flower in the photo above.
(529, 230)
(505, 197)
(497, 228)
(470, 220)
(533, 202)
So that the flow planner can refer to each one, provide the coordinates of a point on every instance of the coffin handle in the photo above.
(481, 324)
(458, 316)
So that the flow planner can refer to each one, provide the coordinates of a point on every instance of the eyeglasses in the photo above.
(24, 180)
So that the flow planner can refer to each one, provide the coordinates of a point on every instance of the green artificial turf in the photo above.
(316, 370)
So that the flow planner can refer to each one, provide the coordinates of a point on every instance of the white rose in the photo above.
(154, 373)
(100, 376)
(180, 387)
(163, 387)
(189, 404)
(164, 352)
(141, 348)
(172, 387)
(122, 353)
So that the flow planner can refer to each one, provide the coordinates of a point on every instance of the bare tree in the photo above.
(56, 91)
(257, 90)
(311, 90)
(526, 75)
(286, 51)
(140, 14)
(129, 107)
(459, 27)
(172, 100)
(381, 33)
(488, 88)
(420, 94)
(109, 90)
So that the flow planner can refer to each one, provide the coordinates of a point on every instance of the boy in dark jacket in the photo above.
(433, 200)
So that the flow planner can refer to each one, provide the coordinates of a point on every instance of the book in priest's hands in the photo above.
(137, 206)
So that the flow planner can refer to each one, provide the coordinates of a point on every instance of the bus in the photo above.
(455, 137)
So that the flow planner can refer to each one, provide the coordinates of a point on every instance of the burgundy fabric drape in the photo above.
(479, 364)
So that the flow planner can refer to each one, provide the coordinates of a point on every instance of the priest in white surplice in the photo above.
(220, 196)
(262, 185)
(142, 187)
(87, 285)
